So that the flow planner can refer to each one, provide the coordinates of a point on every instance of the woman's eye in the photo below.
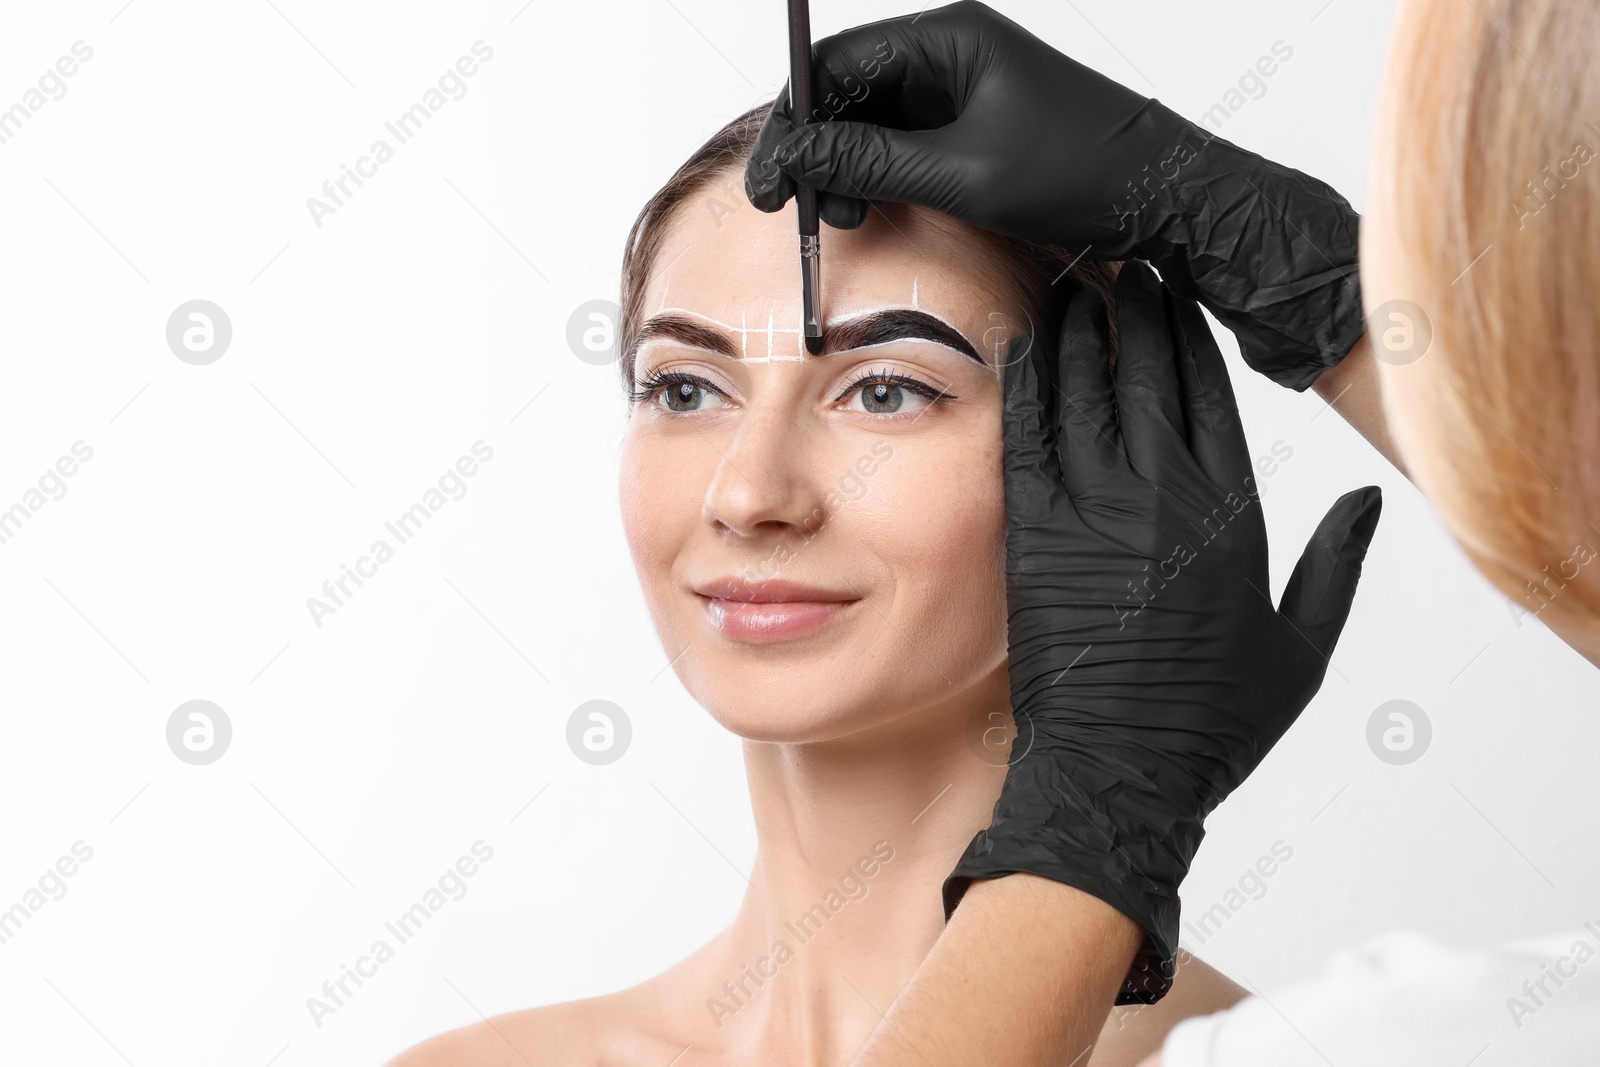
(885, 393)
(888, 398)
(684, 396)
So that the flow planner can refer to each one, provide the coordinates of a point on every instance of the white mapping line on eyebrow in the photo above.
(745, 331)
(798, 357)
(914, 292)
(863, 312)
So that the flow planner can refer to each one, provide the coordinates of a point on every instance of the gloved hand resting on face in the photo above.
(1150, 670)
(961, 109)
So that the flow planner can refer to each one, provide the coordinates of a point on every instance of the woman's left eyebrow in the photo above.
(895, 324)
(859, 331)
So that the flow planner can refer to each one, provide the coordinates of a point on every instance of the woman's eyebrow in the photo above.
(895, 324)
(685, 331)
(859, 331)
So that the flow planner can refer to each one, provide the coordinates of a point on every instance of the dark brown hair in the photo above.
(1034, 269)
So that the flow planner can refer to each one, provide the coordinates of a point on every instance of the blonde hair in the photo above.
(1485, 215)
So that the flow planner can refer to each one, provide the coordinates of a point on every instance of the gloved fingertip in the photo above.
(1081, 319)
(1323, 586)
(1136, 274)
(1366, 523)
(767, 194)
(1356, 513)
(1019, 372)
(1026, 393)
(840, 211)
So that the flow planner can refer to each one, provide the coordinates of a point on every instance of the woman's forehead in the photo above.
(741, 267)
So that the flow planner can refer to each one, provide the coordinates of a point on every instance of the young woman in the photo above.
(821, 542)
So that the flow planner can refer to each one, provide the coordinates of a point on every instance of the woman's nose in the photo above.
(768, 477)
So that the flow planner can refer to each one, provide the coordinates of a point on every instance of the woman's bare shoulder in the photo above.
(616, 1028)
(551, 1034)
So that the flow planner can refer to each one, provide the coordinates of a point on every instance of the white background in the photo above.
(430, 312)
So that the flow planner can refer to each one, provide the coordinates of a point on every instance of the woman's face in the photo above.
(867, 478)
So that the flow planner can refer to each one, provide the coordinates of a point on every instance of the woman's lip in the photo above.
(770, 621)
(768, 591)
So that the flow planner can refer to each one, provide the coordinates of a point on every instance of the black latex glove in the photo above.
(961, 109)
(1150, 671)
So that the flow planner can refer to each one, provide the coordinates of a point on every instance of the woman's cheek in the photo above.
(630, 489)
(935, 515)
(654, 495)
(939, 504)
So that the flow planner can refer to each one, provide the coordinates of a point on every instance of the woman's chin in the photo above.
(787, 720)
(782, 726)
(828, 699)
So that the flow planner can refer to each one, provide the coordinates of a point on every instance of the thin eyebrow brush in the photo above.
(805, 196)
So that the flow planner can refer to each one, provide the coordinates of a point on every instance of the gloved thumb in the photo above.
(1323, 585)
(853, 159)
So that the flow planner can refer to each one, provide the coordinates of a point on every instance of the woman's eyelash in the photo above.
(657, 380)
(890, 377)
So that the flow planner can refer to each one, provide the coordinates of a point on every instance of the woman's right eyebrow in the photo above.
(685, 331)
(860, 331)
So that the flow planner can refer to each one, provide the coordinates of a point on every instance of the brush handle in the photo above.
(800, 100)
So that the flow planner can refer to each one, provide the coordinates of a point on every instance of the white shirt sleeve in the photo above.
(1404, 999)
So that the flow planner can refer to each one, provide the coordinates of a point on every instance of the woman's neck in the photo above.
(856, 838)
